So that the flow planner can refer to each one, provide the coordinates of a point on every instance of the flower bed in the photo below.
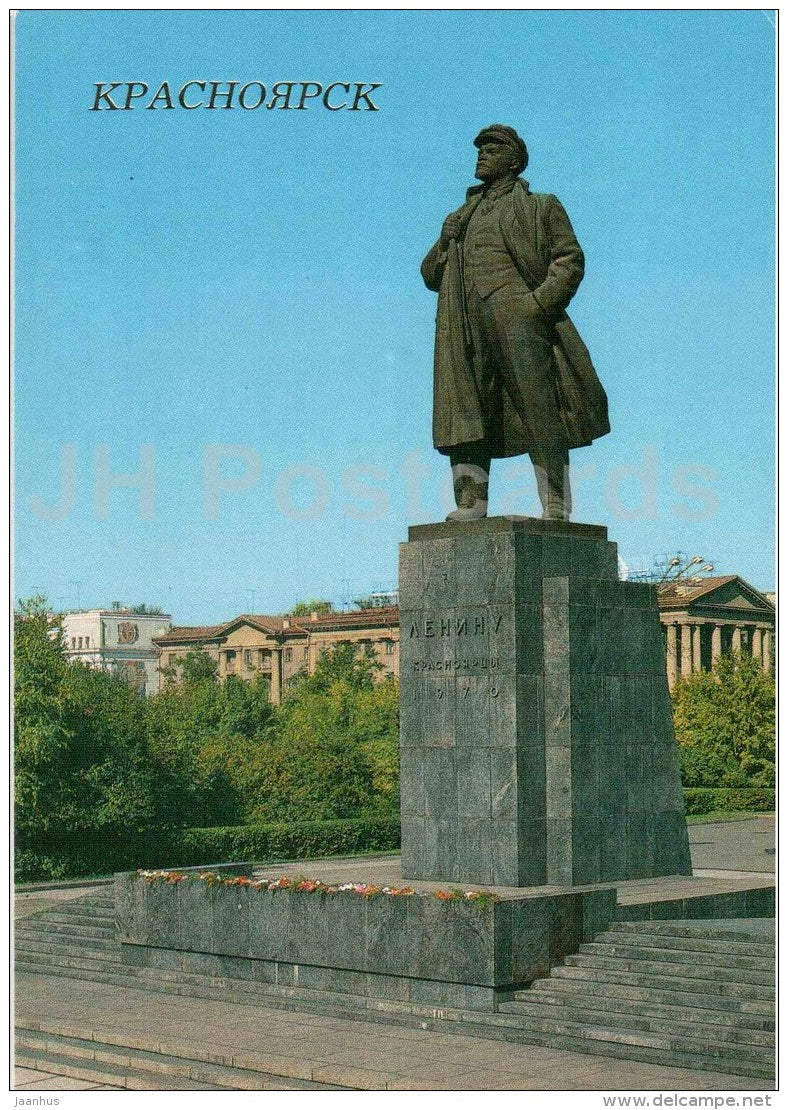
(480, 898)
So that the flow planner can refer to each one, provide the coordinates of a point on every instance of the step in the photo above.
(88, 905)
(684, 1023)
(632, 950)
(98, 949)
(673, 1058)
(80, 962)
(46, 926)
(721, 1012)
(78, 939)
(758, 929)
(104, 1073)
(722, 947)
(81, 914)
(658, 982)
(606, 986)
(709, 1050)
(233, 990)
(116, 974)
(499, 1025)
(681, 971)
(185, 1062)
(757, 1002)
(245, 992)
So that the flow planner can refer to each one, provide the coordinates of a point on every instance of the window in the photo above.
(248, 660)
(230, 662)
(288, 655)
(79, 644)
(73, 643)
(389, 647)
(87, 641)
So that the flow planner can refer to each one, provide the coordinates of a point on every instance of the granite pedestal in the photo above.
(536, 738)
(408, 948)
(537, 752)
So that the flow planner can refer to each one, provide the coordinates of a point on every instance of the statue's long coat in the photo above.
(540, 239)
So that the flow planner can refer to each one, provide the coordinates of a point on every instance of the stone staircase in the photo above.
(78, 935)
(687, 994)
(680, 993)
(147, 1065)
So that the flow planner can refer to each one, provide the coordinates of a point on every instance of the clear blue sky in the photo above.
(197, 278)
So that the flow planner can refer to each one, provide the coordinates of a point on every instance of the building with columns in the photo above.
(701, 621)
(279, 647)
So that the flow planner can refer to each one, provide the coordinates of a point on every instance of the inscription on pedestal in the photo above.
(535, 733)
(459, 638)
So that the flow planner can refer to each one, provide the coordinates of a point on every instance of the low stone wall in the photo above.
(410, 948)
(748, 902)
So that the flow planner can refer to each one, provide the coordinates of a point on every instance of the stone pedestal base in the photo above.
(409, 948)
(536, 738)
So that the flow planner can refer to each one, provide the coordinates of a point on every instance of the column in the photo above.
(671, 655)
(767, 649)
(696, 656)
(685, 632)
(736, 641)
(716, 643)
(276, 675)
(757, 644)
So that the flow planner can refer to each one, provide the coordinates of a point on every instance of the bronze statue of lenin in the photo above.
(512, 375)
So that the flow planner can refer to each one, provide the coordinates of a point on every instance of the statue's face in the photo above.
(495, 160)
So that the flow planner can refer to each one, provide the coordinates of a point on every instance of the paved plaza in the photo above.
(351, 1054)
(302, 1051)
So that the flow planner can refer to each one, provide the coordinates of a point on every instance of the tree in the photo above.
(193, 667)
(340, 663)
(305, 608)
(333, 751)
(202, 737)
(40, 727)
(80, 765)
(725, 725)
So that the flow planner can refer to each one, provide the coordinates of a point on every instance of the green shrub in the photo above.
(706, 799)
(300, 840)
(62, 857)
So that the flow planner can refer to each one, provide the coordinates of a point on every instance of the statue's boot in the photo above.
(552, 482)
(471, 484)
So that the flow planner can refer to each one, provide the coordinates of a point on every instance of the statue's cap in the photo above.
(500, 133)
